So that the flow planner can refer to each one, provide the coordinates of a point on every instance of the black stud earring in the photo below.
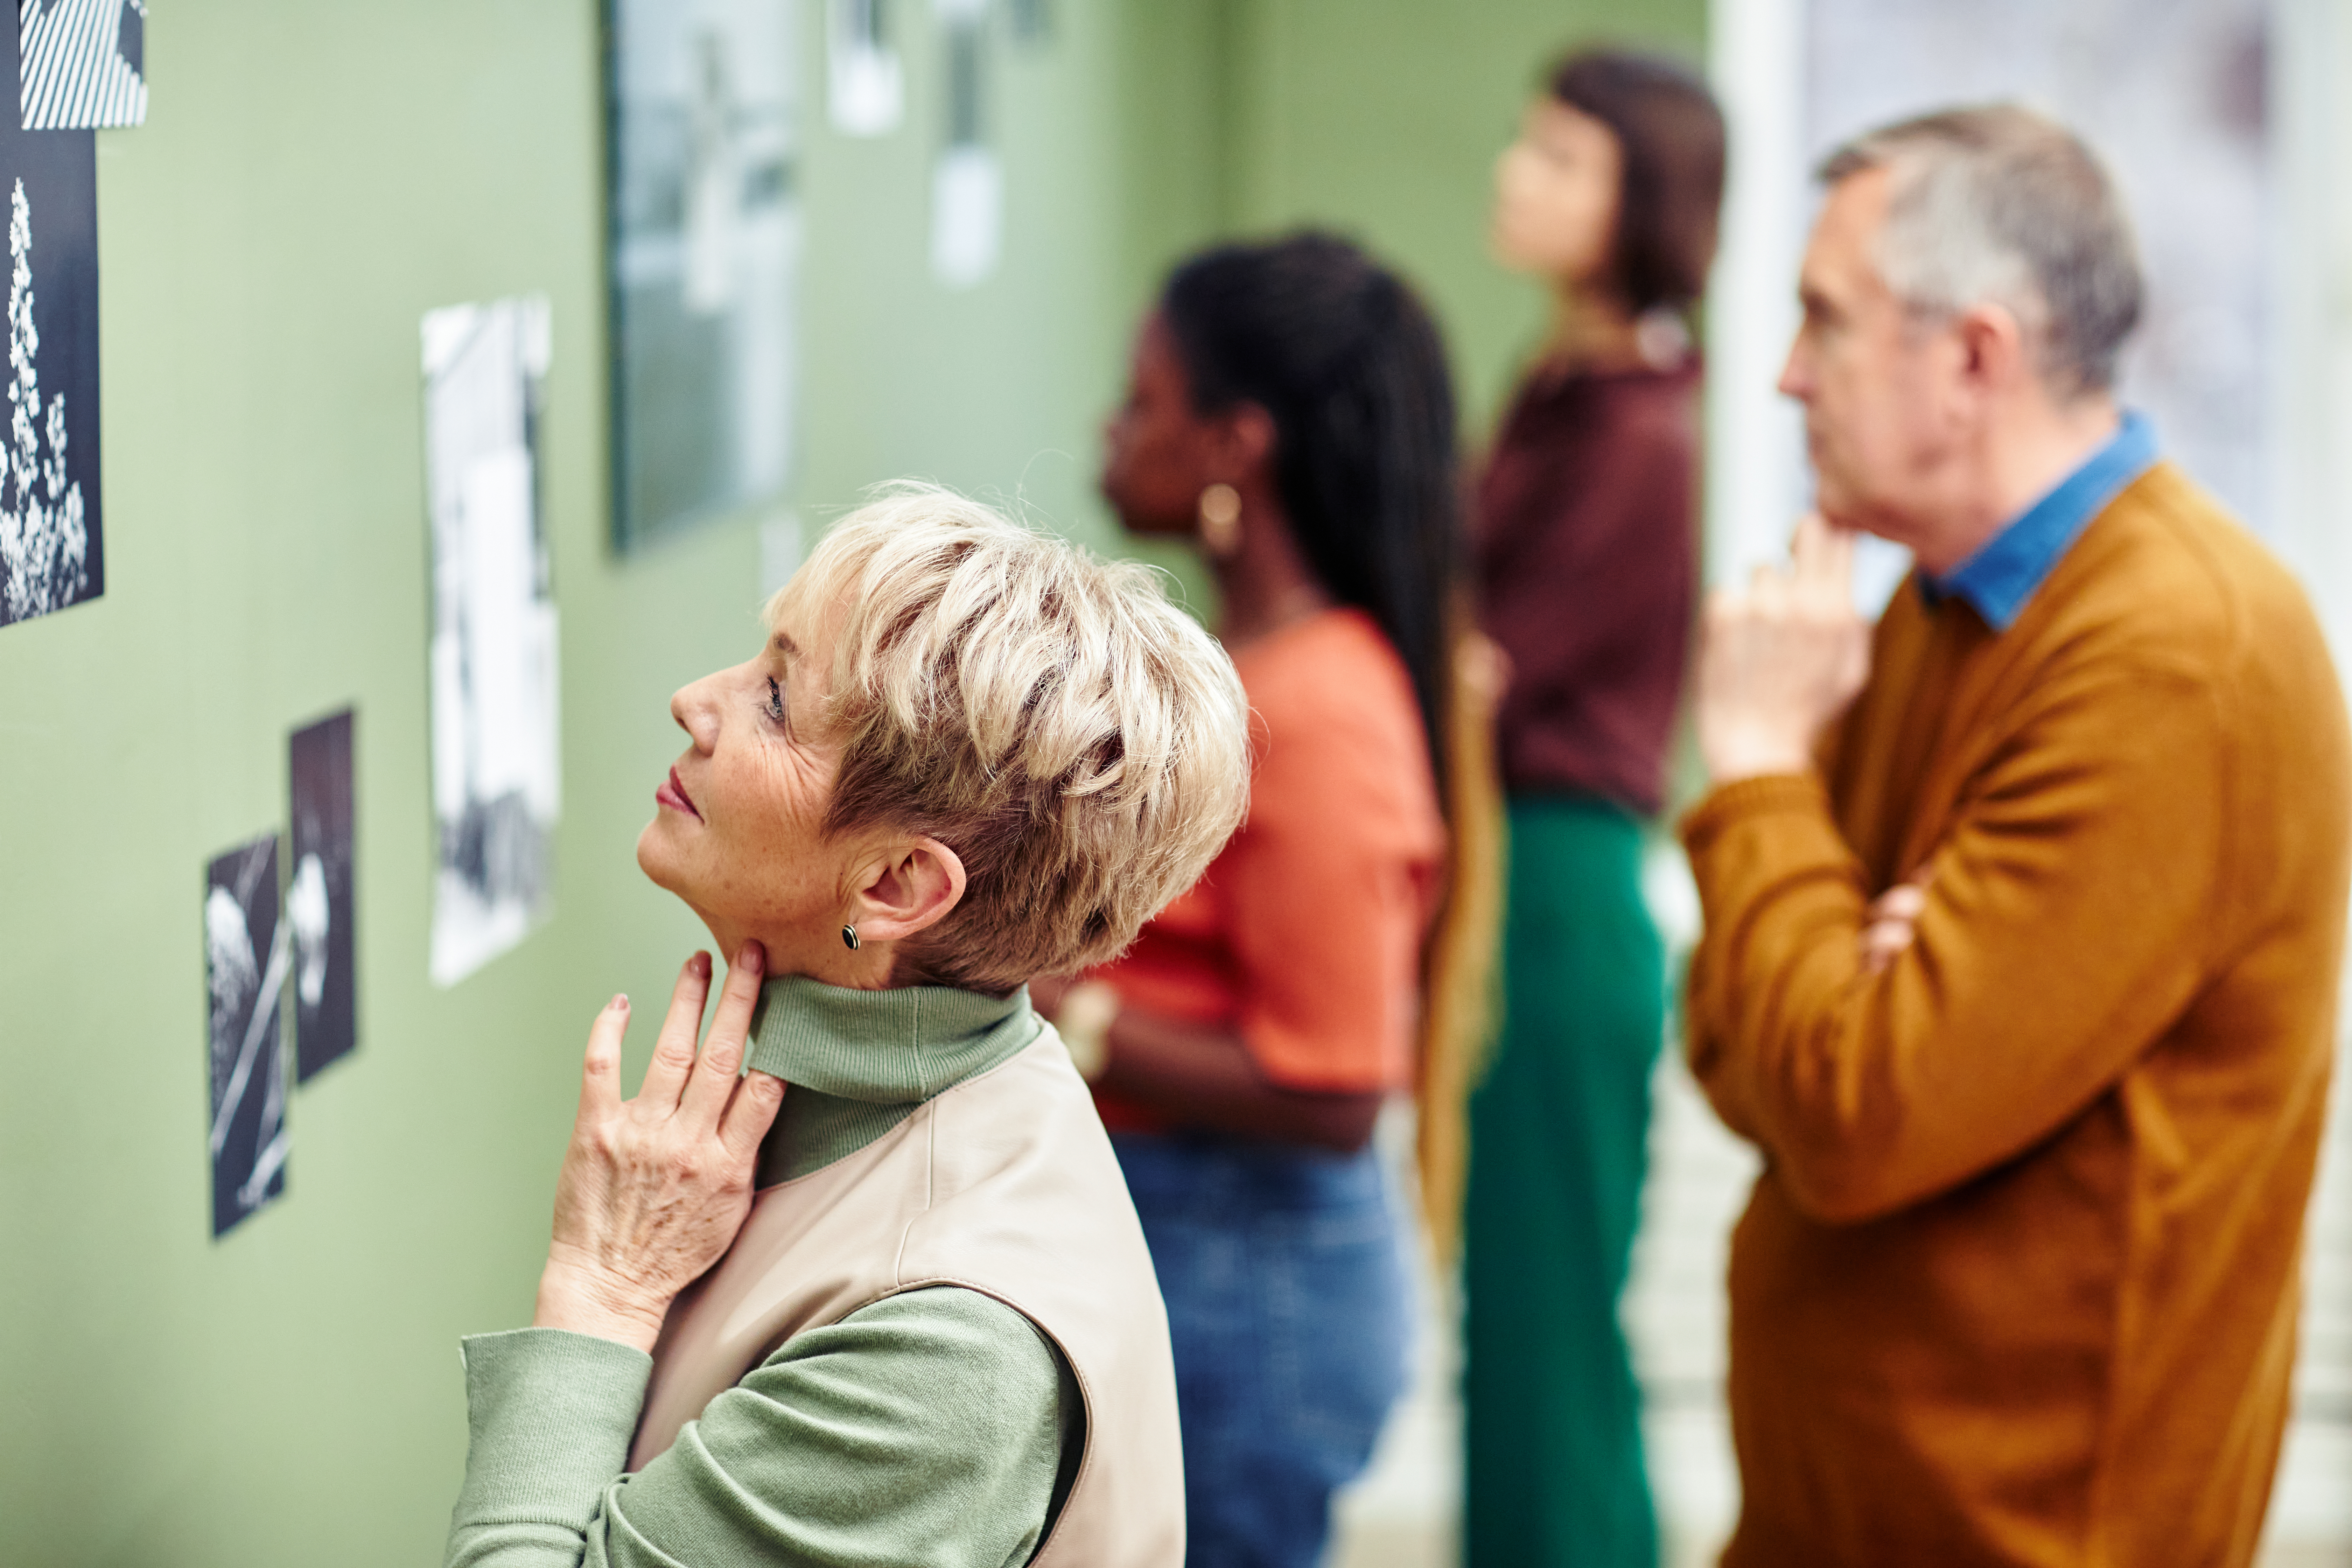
(849, 938)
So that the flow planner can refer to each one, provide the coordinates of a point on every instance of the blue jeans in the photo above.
(1286, 1307)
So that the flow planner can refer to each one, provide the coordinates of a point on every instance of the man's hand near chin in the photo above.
(1781, 658)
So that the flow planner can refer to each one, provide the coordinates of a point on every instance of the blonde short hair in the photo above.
(1077, 739)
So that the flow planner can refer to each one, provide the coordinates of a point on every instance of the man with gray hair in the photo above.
(2025, 912)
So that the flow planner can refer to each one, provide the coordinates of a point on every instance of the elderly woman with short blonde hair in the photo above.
(882, 1297)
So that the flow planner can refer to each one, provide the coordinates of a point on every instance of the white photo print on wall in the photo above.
(497, 783)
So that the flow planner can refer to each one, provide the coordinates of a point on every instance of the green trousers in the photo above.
(1557, 1137)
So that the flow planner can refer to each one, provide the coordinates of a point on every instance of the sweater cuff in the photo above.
(1728, 806)
(550, 1415)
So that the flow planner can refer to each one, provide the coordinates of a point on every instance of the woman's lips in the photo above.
(673, 795)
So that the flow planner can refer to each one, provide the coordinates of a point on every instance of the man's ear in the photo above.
(911, 888)
(1995, 354)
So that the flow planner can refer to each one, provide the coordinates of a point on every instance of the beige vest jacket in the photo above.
(1003, 1184)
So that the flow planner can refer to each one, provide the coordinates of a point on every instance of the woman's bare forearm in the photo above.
(1203, 1076)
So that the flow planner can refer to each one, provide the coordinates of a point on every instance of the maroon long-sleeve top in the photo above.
(1588, 563)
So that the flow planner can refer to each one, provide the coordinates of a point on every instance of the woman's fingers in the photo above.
(706, 1092)
(751, 1113)
(673, 1061)
(600, 1074)
(656, 1196)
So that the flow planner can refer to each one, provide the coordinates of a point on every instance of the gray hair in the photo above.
(1998, 205)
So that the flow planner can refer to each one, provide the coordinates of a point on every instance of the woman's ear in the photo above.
(1242, 445)
(909, 890)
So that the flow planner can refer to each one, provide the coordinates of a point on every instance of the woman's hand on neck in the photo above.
(1265, 583)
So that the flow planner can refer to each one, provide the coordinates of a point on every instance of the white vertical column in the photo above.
(2309, 419)
(1699, 1174)
(1755, 482)
(2310, 395)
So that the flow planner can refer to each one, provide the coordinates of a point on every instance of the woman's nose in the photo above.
(696, 714)
(1515, 166)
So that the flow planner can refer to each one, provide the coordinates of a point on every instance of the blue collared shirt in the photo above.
(1999, 579)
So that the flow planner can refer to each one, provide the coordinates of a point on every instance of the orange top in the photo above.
(1306, 932)
(2017, 1283)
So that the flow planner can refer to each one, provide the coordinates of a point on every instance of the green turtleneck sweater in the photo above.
(936, 1427)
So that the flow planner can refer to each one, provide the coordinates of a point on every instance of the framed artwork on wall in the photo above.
(703, 256)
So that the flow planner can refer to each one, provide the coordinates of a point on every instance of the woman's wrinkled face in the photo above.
(1156, 448)
(738, 827)
(1556, 190)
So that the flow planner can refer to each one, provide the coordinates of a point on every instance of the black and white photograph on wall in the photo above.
(85, 63)
(865, 86)
(318, 894)
(246, 954)
(497, 784)
(704, 257)
(51, 554)
(967, 182)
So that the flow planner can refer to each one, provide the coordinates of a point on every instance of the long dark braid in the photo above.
(1348, 365)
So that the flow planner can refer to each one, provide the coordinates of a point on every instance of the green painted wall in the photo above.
(312, 179)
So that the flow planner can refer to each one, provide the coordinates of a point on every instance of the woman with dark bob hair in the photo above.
(1288, 412)
(1587, 561)
(881, 1298)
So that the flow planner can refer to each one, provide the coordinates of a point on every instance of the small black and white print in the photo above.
(246, 957)
(319, 896)
(85, 64)
(51, 551)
